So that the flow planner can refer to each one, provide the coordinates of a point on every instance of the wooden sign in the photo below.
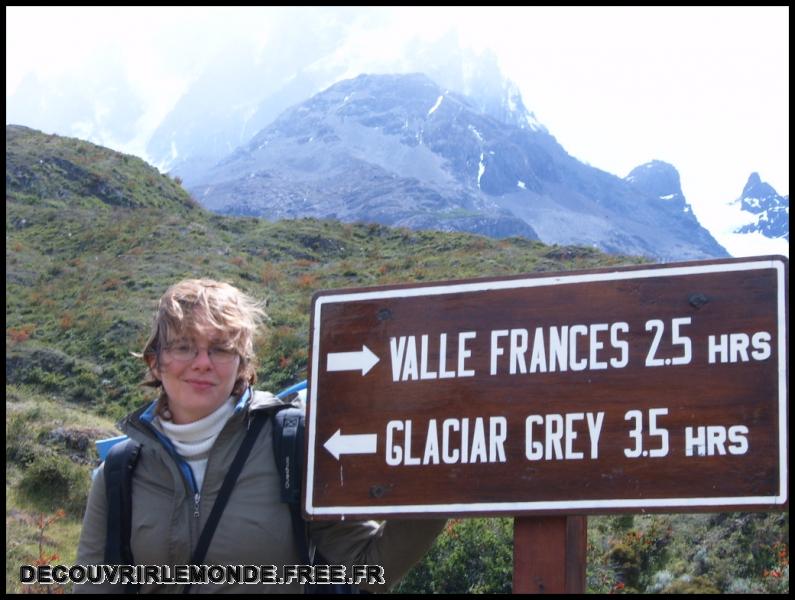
(652, 387)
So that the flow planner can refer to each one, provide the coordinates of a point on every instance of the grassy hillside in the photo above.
(94, 237)
(63, 171)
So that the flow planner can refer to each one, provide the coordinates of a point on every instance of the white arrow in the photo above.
(351, 444)
(352, 361)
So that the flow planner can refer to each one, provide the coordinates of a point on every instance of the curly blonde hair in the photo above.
(205, 306)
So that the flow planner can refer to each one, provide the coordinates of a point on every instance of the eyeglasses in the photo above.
(186, 352)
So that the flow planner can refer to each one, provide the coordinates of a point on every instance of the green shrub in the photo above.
(52, 482)
(20, 445)
(472, 556)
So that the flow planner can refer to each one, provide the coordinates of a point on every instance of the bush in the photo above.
(470, 556)
(20, 446)
(52, 482)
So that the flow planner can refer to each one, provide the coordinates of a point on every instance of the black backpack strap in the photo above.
(226, 491)
(288, 448)
(118, 471)
(289, 424)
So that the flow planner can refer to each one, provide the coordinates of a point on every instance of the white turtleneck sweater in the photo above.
(193, 441)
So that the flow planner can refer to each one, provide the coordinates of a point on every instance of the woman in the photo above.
(200, 353)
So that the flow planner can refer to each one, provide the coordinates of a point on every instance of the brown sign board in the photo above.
(658, 388)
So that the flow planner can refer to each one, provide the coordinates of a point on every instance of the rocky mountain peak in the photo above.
(658, 178)
(661, 180)
(756, 192)
(767, 212)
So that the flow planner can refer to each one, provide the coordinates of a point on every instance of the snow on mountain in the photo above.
(755, 223)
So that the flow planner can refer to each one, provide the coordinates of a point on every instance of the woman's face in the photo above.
(198, 372)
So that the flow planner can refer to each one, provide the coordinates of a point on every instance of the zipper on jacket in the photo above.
(182, 465)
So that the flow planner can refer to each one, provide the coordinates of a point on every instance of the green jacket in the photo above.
(255, 528)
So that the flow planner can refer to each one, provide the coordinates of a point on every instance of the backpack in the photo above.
(288, 448)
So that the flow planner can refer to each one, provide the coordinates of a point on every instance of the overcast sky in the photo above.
(705, 89)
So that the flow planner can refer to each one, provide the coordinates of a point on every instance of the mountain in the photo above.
(763, 209)
(661, 180)
(365, 162)
(66, 171)
(226, 106)
(239, 92)
(400, 150)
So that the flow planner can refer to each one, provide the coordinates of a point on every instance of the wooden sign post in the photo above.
(549, 555)
(645, 388)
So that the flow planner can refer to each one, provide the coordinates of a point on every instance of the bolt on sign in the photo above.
(651, 387)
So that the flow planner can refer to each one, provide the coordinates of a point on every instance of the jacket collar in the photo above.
(250, 401)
